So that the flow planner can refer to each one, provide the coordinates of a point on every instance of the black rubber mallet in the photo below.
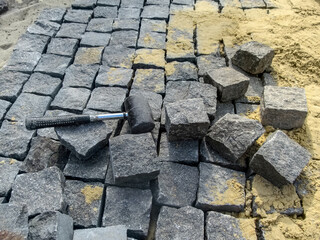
(138, 113)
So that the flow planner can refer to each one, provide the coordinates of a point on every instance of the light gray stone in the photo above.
(118, 232)
(152, 40)
(149, 80)
(158, 12)
(103, 25)
(80, 76)
(132, 3)
(150, 25)
(52, 14)
(105, 12)
(78, 16)
(32, 43)
(95, 39)
(129, 13)
(118, 56)
(108, 2)
(63, 46)
(44, 27)
(88, 56)
(181, 71)
(157, 2)
(22, 61)
(127, 39)
(4, 106)
(9, 169)
(71, 30)
(114, 77)
(53, 65)
(249, 4)
(206, 63)
(84, 4)
(126, 24)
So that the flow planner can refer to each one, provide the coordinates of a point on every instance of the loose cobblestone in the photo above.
(105, 12)
(23, 61)
(118, 56)
(9, 169)
(149, 80)
(71, 30)
(44, 27)
(63, 46)
(114, 77)
(129, 13)
(88, 55)
(32, 43)
(11, 83)
(126, 24)
(80, 76)
(53, 65)
(52, 14)
(103, 25)
(78, 16)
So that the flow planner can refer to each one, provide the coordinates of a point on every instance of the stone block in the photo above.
(206, 63)
(52, 14)
(186, 119)
(153, 40)
(105, 12)
(183, 2)
(9, 169)
(220, 189)
(249, 4)
(181, 71)
(139, 151)
(245, 109)
(44, 27)
(150, 25)
(88, 55)
(51, 225)
(103, 25)
(118, 232)
(84, 4)
(129, 207)
(84, 140)
(53, 65)
(233, 135)
(108, 3)
(71, 30)
(149, 58)
(63, 46)
(280, 160)
(126, 24)
(80, 76)
(176, 8)
(180, 52)
(158, 12)
(129, 13)
(11, 84)
(42, 84)
(127, 39)
(92, 169)
(283, 107)
(118, 56)
(230, 83)
(71, 99)
(253, 57)
(223, 109)
(22, 61)
(156, 2)
(268, 80)
(84, 201)
(78, 16)
(183, 223)
(254, 92)
(32, 43)
(4, 106)
(114, 77)
(41, 191)
(176, 185)
(109, 99)
(132, 3)
(149, 80)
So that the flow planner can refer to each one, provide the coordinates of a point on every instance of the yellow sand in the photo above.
(150, 56)
(92, 193)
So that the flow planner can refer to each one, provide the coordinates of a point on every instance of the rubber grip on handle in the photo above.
(44, 122)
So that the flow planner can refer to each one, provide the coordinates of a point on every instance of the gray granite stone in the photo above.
(80, 76)
(103, 25)
(129, 13)
(114, 77)
(22, 61)
(108, 2)
(183, 223)
(92, 169)
(152, 40)
(2, 200)
(71, 30)
(71, 99)
(105, 12)
(254, 92)
(268, 80)
(132, 3)
(183, 2)
(253, 57)
(51, 225)
(181, 71)
(53, 65)
(124, 38)
(13, 222)
(244, 109)
(223, 109)
(130, 207)
(176, 8)
(149, 58)
(249, 4)
(158, 12)
(11, 84)
(32, 43)
(206, 63)
(9, 169)
(52, 14)
(4, 106)
(126, 24)
(283, 107)
(118, 232)
(44, 27)
(41, 191)
(233, 135)
(84, 201)
(89, 56)
(118, 56)
(280, 160)
(220, 189)
(137, 151)
(42, 84)
(149, 80)
(109, 99)
(157, 2)
(78, 16)
(63, 46)
(84, 4)
(150, 25)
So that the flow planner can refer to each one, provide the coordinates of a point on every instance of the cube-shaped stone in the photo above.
(84, 4)
(53, 65)
(42, 84)
(124, 38)
(114, 77)
(283, 107)
(152, 40)
(249, 4)
(9, 169)
(150, 25)
(280, 160)
(44, 27)
(230, 83)
(80, 76)
(206, 63)
(22, 61)
(158, 12)
(232, 135)
(52, 14)
(150, 80)
(71, 30)
(32, 43)
(126, 24)
(253, 93)
(41, 191)
(118, 56)
(132, 3)
(149, 58)
(103, 25)
(105, 12)
(88, 55)
(181, 71)
(220, 189)
(63, 46)
(4, 106)
(108, 3)
(129, 13)
(253, 57)
(118, 232)
(78, 16)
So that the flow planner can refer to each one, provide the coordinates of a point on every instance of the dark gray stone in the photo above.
(13, 222)
(183, 223)
(84, 4)
(53, 65)
(158, 12)
(108, 2)
(9, 169)
(149, 25)
(92, 169)
(52, 14)
(118, 232)
(23, 61)
(32, 43)
(4, 106)
(230, 83)
(84, 140)
(118, 56)
(114, 77)
(206, 63)
(78, 16)
(51, 225)
(175, 8)
(244, 109)
(84, 201)
(108, 99)
(124, 38)
(129, 13)
(220, 189)
(129, 207)
(138, 151)
(280, 160)
(71, 30)
(268, 80)
(283, 107)
(105, 12)
(183, 2)
(44, 27)
(88, 56)
(63, 46)
(126, 24)
(149, 58)
(80, 76)
(41, 191)
(103, 25)
(11, 84)
(181, 71)
(42, 84)
(132, 3)
(149, 80)
(253, 57)
(249, 4)
(186, 119)
(223, 109)
(254, 92)
(233, 135)
(152, 40)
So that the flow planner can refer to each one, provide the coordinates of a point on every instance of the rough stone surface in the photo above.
(129, 13)
(149, 25)
(149, 58)
(152, 40)
(186, 119)
(22, 61)
(183, 223)
(53, 65)
(11, 84)
(249, 4)
(41, 191)
(280, 160)
(84, 140)
(206, 63)
(137, 151)
(118, 232)
(88, 55)
(80, 76)
(84, 201)
(126, 24)
(9, 169)
(103, 25)
(129, 207)
(253, 57)
(32, 43)
(95, 39)
(230, 83)
(78, 16)
(283, 107)
(105, 12)
(220, 189)
(4, 106)
(108, 2)
(84, 4)
(42, 84)
(114, 77)
(156, 2)
(3, 6)
(149, 80)
(158, 12)
(118, 56)
(51, 225)
(63, 46)
(268, 79)
(181, 71)
(127, 39)
(44, 27)
(254, 92)
(52, 14)
(244, 109)
(71, 30)
(232, 135)
(132, 3)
